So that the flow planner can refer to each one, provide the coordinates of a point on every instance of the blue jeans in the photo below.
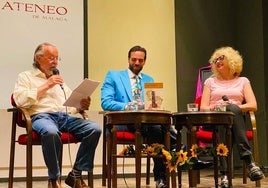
(50, 126)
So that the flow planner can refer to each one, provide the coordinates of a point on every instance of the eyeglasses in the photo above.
(52, 58)
(220, 58)
(137, 59)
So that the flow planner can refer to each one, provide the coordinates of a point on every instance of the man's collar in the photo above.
(38, 72)
(132, 75)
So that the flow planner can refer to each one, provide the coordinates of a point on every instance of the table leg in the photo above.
(138, 156)
(104, 150)
(229, 157)
(192, 174)
(173, 179)
(215, 158)
(109, 159)
(166, 129)
(179, 128)
(114, 158)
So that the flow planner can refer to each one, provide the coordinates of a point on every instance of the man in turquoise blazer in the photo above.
(117, 94)
(116, 91)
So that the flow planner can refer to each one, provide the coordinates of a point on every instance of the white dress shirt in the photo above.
(25, 94)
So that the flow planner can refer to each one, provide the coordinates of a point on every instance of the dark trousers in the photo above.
(238, 135)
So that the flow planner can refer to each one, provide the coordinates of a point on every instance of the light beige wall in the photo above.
(115, 26)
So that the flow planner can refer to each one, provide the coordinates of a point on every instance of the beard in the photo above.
(135, 69)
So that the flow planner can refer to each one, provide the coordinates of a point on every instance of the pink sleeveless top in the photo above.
(233, 89)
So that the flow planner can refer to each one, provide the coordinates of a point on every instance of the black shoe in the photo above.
(254, 172)
(160, 183)
(130, 150)
(199, 165)
(75, 182)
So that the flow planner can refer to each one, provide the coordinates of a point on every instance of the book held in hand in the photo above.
(153, 96)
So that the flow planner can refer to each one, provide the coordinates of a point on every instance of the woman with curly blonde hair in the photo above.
(235, 60)
(228, 88)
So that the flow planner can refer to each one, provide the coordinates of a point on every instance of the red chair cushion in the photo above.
(36, 139)
(20, 121)
(206, 136)
(249, 135)
(125, 136)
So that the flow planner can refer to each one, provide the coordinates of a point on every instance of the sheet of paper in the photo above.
(85, 89)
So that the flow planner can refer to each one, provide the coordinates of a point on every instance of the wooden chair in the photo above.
(123, 138)
(21, 118)
(205, 136)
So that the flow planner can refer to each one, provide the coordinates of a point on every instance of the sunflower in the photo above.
(182, 156)
(171, 166)
(170, 159)
(157, 147)
(167, 155)
(180, 159)
(194, 150)
(154, 150)
(222, 150)
(150, 151)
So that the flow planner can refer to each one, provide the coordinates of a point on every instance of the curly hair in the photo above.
(234, 59)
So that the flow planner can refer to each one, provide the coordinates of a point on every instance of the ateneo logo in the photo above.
(34, 8)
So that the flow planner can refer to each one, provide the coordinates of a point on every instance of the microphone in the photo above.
(57, 72)
(225, 98)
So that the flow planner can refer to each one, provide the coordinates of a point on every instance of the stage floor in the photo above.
(207, 181)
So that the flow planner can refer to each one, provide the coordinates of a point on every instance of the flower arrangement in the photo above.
(174, 158)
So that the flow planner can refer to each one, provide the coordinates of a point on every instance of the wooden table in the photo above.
(136, 119)
(212, 119)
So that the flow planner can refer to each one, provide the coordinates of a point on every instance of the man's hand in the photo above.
(51, 82)
(135, 106)
(84, 104)
(54, 80)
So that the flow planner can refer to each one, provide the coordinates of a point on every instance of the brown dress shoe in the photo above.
(75, 182)
(79, 183)
(54, 184)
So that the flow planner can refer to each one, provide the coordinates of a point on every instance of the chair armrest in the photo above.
(253, 120)
(12, 109)
(255, 135)
(27, 118)
(21, 118)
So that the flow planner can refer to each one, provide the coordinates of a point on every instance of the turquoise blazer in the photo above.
(116, 90)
